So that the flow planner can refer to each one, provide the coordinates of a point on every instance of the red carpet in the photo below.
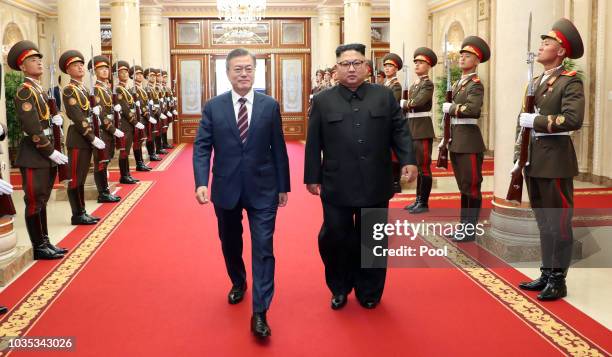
(156, 286)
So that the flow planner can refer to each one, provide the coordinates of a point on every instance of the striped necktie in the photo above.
(243, 119)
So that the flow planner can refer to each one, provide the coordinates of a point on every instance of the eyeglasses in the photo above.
(239, 70)
(346, 64)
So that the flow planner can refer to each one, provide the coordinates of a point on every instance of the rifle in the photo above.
(62, 170)
(515, 191)
(102, 154)
(119, 142)
(405, 90)
(138, 133)
(443, 151)
(174, 95)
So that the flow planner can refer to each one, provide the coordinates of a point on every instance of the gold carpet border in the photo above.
(163, 165)
(453, 196)
(29, 310)
(547, 325)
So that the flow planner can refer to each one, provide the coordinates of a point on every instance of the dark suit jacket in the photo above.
(355, 132)
(256, 171)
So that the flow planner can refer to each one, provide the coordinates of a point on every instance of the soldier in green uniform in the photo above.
(80, 139)
(418, 112)
(467, 146)
(37, 159)
(163, 113)
(129, 122)
(171, 113)
(154, 114)
(391, 64)
(552, 163)
(104, 98)
(141, 99)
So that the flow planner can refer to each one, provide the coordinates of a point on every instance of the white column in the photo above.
(357, 23)
(408, 30)
(125, 24)
(151, 36)
(328, 36)
(79, 26)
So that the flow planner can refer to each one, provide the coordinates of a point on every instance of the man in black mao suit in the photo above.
(355, 125)
(250, 172)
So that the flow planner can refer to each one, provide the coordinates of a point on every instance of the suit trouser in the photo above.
(552, 201)
(340, 249)
(261, 225)
(37, 186)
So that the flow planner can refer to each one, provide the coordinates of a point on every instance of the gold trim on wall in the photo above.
(223, 51)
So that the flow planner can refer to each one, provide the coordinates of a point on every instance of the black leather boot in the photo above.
(79, 216)
(556, 288)
(418, 195)
(540, 283)
(158, 146)
(140, 165)
(82, 197)
(151, 151)
(124, 170)
(165, 144)
(45, 230)
(423, 202)
(41, 250)
(104, 194)
(471, 214)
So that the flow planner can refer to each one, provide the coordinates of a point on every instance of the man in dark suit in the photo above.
(250, 172)
(355, 125)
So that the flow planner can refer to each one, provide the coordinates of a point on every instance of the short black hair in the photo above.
(239, 52)
(350, 47)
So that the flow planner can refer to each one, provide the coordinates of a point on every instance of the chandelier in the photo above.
(241, 11)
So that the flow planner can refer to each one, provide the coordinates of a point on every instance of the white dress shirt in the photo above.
(249, 103)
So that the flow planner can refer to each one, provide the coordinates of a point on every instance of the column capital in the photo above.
(123, 3)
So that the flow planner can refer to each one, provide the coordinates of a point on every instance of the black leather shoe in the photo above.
(556, 288)
(154, 157)
(3, 310)
(128, 180)
(107, 197)
(338, 301)
(161, 152)
(168, 146)
(368, 304)
(420, 207)
(539, 284)
(259, 325)
(142, 167)
(236, 294)
(83, 219)
(44, 252)
(412, 205)
(97, 219)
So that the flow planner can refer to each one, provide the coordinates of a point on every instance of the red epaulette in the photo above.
(475, 79)
(569, 73)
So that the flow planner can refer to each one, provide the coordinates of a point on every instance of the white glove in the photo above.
(99, 144)
(1, 130)
(150, 101)
(152, 121)
(139, 126)
(58, 158)
(118, 133)
(162, 116)
(168, 114)
(5, 188)
(516, 166)
(403, 104)
(175, 112)
(175, 99)
(446, 107)
(156, 106)
(526, 119)
(96, 110)
(137, 103)
(132, 111)
(57, 120)
(117, 108)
